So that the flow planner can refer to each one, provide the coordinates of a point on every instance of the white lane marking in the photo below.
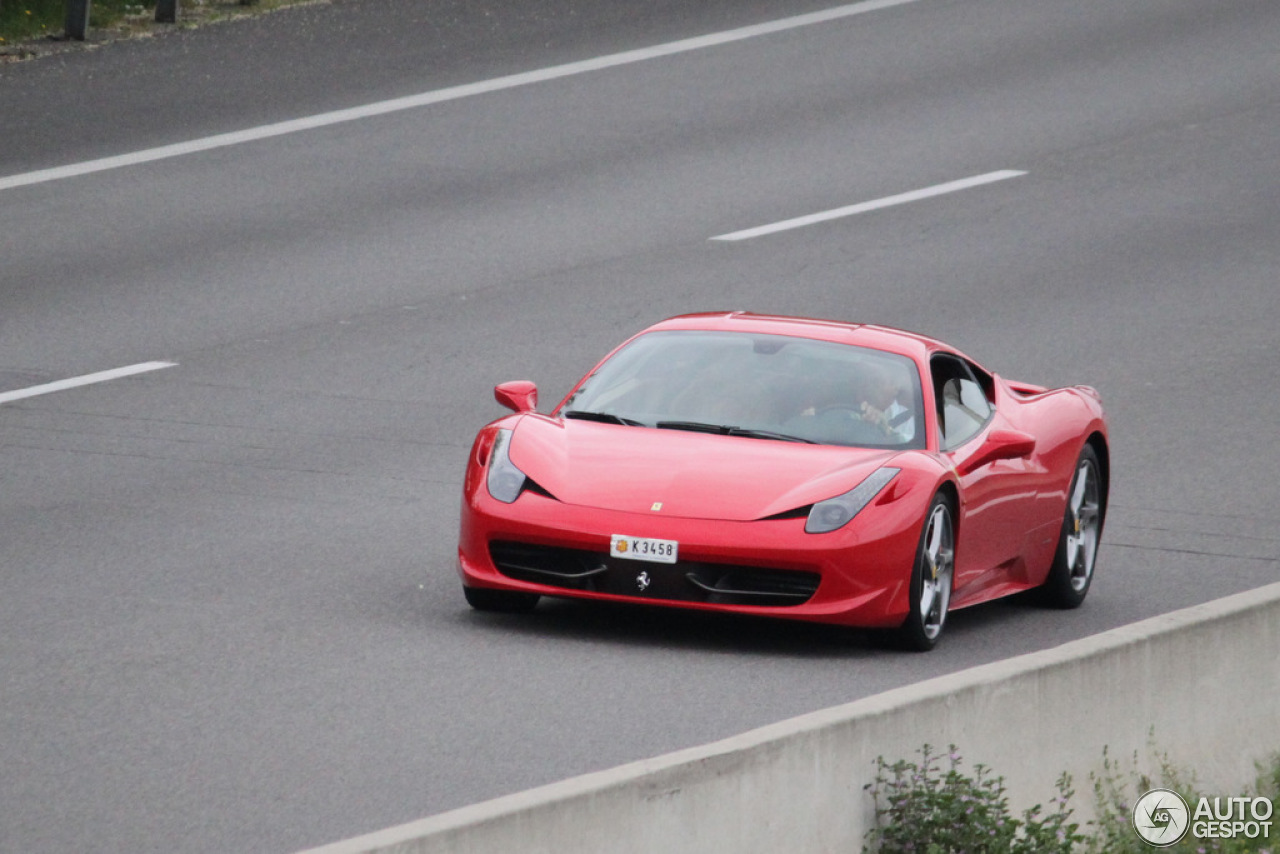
(87, 379)
(876, 204)
(440, 95)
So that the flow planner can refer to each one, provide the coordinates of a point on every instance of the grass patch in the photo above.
(23, 20)
(29, 23)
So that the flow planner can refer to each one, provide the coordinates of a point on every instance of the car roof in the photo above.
(872, 336)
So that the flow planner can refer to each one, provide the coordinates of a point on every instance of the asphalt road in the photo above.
(229, 619)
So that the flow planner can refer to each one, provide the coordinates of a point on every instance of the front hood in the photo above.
(695, 475)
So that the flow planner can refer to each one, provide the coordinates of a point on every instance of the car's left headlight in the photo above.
(505, 480)
(834, 513)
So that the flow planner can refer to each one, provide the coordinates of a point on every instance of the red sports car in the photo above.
(805, 469)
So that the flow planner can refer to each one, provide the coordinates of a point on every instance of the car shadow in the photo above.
(1001, 625)
(677, 629)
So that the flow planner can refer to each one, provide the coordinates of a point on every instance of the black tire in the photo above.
(931, 579)
(500, 601)
(1077, 554)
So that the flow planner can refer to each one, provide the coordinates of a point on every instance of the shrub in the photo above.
(932, 807)
(924, 809)
(1117, 789)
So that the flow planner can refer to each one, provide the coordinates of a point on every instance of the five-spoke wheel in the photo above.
(1072, 570)
(932, 578)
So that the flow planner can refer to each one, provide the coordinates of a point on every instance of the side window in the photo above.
(963, 407)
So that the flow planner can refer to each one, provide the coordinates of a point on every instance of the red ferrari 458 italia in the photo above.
(805, 469)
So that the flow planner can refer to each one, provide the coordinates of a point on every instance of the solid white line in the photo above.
(876, 204)
(452, 93)
(87, 379)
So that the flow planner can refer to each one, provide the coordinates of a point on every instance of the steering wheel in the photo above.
(839, 407)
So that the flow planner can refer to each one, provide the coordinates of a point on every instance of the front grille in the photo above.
(685, 581)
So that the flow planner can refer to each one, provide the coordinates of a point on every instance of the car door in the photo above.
(991, 461)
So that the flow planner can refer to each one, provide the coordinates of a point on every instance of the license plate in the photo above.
(644, 548)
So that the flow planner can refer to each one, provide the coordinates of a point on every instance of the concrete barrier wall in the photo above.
(1205, 680)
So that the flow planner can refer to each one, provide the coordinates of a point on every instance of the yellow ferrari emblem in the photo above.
(657, 505)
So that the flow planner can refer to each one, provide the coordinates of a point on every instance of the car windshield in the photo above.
(765, 386)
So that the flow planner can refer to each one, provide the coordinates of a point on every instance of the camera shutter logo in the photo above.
(1161, 817)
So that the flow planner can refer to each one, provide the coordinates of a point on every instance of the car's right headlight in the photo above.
(835, 513)
(505, 480)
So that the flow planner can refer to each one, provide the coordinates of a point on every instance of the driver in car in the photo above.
(882, 405)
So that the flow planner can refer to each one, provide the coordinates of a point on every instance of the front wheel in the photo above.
(1072, 570)
(931, 579)
(501, 601)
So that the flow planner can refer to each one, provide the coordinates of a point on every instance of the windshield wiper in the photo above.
(728, 430)
(768, 434)
(695, 426)
(602, 417)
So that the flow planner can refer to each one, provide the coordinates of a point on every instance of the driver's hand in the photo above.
(876, 417)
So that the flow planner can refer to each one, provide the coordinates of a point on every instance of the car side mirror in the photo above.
(1001, 445)
(517, 395)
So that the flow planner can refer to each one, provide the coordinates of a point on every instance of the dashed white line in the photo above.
(876, 204)
(450, 94)
(87, 379)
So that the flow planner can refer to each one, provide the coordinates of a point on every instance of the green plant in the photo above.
(1117, 788)
(925, 809)
(931, 807)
